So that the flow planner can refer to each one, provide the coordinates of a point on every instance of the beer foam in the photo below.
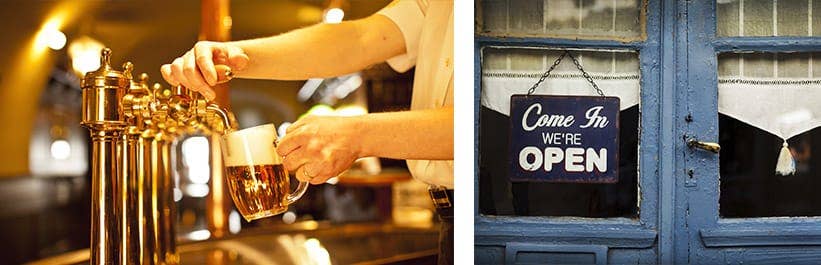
(251, 146)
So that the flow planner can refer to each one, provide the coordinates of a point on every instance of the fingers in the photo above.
(295, 160)
(167, 75)
(192, 73)
(306, 174)
(308, 119)
(237, 59)
(293, 127)
(195, 69)
(302, 176)
(176, 72)
(290, 143)
(203, 55)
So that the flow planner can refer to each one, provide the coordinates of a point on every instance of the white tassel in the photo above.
(786, 164)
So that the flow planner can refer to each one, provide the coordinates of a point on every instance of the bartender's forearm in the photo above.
(322, 50)
(418, 134)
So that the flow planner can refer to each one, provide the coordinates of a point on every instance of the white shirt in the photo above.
(427, 27)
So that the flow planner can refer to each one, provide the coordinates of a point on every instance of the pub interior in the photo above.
(66, 133)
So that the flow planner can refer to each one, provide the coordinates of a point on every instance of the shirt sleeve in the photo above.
(408, 17)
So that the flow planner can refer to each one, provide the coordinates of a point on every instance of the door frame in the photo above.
(710, 239)
(652, 235)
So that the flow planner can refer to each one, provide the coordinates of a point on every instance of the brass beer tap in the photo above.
(134, 130)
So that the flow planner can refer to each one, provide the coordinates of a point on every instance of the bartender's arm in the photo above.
(322, 50)
(322, 147)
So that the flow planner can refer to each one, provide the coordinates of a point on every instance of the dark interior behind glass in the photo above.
(498, 196)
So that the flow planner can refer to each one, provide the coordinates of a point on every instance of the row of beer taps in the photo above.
(134, 128)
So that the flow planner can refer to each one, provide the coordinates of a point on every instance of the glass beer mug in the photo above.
(258, 182)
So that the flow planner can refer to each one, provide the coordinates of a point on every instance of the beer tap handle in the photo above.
(224, 73)
(128, 67)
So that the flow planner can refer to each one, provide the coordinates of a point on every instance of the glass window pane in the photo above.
(768, 18)
(509, 69)
(785, 91)
(592, 19)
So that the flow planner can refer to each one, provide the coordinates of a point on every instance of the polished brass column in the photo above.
(102, 91)
(167, 210)
(131, 242)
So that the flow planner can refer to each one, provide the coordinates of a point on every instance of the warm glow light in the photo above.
(308, 14)
(316, 252)
(53, 38)
(85, 54)
(320, 110)
(333, 15)
(199, 235)
(234, 223)
(60, 149)
(351, 110)
(227, 21)
(196, 190)
(195, 153)
(50, 36)
(289, 217)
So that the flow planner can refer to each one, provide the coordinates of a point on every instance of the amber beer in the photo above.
(259, 184)
(259, 190)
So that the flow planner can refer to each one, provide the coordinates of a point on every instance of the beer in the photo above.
(259, 190)
(257, 181)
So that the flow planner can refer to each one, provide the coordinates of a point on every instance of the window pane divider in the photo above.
(558, 43)
(768, 44)
(611, 232)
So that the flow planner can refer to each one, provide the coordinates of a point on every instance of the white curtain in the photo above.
(778, 93)
(508, 72)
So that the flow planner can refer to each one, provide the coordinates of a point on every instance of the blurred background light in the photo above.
(317, 253)
(289, 217)
(85, 54)
(60, 149)
(199, 235)
(234, 222)
(333, 15)
(196, 190)
(51, 37)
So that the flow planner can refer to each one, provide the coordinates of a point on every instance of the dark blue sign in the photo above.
(564, 139)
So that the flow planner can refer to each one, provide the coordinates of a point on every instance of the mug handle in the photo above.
(300, 190)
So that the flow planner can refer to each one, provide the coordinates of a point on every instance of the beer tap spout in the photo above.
(229, 122)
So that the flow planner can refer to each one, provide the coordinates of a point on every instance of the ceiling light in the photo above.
(85, 54)
(51, 37)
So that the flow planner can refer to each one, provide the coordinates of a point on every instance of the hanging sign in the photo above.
(564, 139)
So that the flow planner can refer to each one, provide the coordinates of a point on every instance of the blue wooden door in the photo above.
(695, 206)
(732, 207)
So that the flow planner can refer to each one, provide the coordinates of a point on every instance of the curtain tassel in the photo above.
(786, 164)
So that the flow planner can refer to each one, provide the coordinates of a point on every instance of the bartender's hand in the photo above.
(195, 69)
(320, 147)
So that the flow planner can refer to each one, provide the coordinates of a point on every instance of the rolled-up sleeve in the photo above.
(408, 17)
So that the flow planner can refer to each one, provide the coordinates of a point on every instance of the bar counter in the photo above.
(305, 242)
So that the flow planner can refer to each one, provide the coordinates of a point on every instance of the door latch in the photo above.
(707, 146)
